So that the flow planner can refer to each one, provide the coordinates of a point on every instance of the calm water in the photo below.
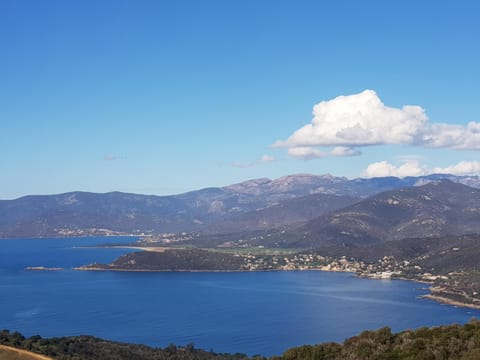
(253, 313)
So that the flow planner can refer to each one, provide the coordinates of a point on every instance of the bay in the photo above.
(249, 312)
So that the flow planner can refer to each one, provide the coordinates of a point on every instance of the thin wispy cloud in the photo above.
(309, 153)
(265, 159)
(404, 158)
(362, 120)
(111, 157)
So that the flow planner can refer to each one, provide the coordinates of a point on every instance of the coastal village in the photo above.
(259, 259)
(386, 268)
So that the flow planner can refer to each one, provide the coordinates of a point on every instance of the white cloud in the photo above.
(462, 168)
(309, 153)
(263, 160)
(266, 159)
(384, 168)
(363, 120)
(414, 168)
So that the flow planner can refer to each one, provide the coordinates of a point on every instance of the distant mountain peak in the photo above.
(249, 186)
(305, 176)
(86, 213)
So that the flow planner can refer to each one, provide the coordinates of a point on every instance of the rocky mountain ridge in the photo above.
(437, 208)
(284, 201)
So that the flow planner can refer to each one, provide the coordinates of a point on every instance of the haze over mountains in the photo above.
(333, 204)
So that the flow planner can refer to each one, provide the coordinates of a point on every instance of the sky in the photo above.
(162, 97)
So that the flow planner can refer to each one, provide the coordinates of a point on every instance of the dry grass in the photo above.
(10, 353)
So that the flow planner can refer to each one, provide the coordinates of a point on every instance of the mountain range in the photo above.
(335, 207)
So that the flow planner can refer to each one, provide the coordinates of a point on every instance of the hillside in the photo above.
(452, 342)
(91, 348)
(435, 209)
(287, 212)
(173, 260)
(11, 353)
(431, 210)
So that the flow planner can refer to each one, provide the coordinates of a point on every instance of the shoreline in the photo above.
(84, 268)
(447, 301)
(151, 248)
(56, 237)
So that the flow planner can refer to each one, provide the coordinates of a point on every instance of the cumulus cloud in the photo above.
(263, 160)
(462, 168)
(363, 120)
(384, 168)
(414, 168)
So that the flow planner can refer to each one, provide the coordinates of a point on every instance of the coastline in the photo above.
(447, 301)
(93, 268)
(85, 268)
(151, 248)
(60, 236)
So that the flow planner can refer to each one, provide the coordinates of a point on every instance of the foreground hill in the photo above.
(91, 348)
(454, 342)
(11, 353)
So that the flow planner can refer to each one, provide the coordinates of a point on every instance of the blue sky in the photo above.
(162, 97)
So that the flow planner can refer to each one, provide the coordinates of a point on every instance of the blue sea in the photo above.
(253, 313)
